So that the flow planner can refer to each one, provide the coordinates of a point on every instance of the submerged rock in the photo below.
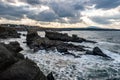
(6, 32)
(50, 76)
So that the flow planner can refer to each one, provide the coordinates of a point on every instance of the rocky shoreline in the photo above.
(55, 40)
(14, 66)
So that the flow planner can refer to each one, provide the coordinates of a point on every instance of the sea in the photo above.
(86, 67)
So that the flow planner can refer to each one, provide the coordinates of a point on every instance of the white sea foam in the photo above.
(87, 67)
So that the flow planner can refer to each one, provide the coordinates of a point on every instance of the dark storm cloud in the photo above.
(47, 15)
(100, 20)
(8, 11)
(33, 2)
(106, 4)
(78, 7)
(62, 8)
(59, 9)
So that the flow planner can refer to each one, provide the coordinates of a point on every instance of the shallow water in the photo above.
(87, 67)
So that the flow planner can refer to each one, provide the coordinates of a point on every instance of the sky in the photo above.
(62, 13)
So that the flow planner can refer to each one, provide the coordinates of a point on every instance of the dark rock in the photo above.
(19, 56)
(89, 52)
(97, 51)
(6, 58)
(64, 37)
(31, 36)
(14, 47)
(23, 70)
(23, 34)
(38, 43)
(50, 76)
(13, 65)
(6, 32)
(61, 49)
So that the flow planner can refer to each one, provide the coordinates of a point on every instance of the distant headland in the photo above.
(40, 28)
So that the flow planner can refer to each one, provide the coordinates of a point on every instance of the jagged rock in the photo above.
(64, 37)
(6, 32)
(31, 36)
(50, 76)
(97, 51)
(39, 43)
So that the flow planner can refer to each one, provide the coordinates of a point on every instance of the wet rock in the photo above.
(23, 70)
(64, 37)
(97, 51)
(6, 58)
(31, 36)
(50, 76)
(13, 65)
(40, 43)
(6, 32)
(14, 47)
(61, 49)
(23, 34)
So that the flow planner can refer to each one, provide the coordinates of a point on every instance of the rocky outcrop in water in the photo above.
(6, 32)
(64, 37)
(97, 51)
(13, 65)
(54, 40)
(39, 43)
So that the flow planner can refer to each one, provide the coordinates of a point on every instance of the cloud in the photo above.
(33, 2)
(100, 20)
(102, 12)
(47, 15)
(106, 4)
(9, 11)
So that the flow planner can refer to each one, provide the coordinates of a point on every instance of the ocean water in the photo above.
(87, 67)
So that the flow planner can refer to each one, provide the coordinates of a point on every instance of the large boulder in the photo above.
(31, 36)
(23, 70)
(6, 58)
(14, 47)
(13, 65)
(6, 32)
